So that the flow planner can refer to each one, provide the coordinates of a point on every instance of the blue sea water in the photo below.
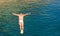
(43, 21)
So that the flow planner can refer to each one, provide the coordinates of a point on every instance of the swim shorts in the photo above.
(20, 20)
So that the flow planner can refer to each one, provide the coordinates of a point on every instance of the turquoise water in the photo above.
(43, 21)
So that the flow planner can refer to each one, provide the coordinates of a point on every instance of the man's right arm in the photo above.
(15, 14)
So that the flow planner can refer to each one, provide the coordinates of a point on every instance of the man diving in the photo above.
(21, 22)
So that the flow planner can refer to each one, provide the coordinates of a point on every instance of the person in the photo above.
(21, 21)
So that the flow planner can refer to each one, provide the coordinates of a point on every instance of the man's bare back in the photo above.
(21, 16)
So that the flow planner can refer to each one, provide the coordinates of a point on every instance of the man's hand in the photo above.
(27, 14)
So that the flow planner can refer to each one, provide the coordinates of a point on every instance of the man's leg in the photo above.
(21, 26)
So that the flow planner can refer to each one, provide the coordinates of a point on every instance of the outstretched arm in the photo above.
(15, 14)
(27, 14)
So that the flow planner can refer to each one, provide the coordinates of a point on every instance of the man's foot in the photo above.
(21, 31)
